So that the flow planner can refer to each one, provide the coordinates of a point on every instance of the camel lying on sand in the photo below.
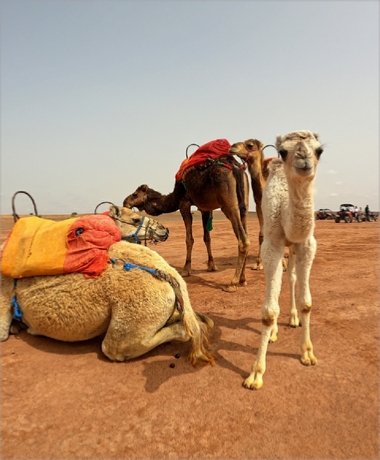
(139, 302)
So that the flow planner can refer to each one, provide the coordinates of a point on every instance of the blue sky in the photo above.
(99, 97)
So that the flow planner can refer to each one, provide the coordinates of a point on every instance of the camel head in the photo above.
(137, 198)
(250, 150)
(135, 227)
(300, 152)
(144, 199)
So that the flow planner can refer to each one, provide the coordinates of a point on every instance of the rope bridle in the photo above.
(135, 237)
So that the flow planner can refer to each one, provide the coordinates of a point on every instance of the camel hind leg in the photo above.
(305, 253)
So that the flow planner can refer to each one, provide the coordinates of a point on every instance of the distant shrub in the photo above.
(73, 214)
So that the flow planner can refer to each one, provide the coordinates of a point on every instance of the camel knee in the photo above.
(268, 320)
(306, 309)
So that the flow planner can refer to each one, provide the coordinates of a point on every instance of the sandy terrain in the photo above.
(62, 400)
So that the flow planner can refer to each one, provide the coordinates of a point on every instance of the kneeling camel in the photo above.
(139, 302)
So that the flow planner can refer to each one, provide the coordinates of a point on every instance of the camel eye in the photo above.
(135, 220)
(134, 195)
(250, 146)
(319, 152)
(283, 153)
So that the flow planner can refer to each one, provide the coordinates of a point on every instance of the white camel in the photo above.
(288, 208)
(139, 302)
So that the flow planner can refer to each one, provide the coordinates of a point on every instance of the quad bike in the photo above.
(346, 212)
(324, 214)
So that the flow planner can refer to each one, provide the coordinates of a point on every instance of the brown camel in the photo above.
(213, 185)
(251, 152)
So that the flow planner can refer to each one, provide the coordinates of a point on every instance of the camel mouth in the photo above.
(304, 171)
(161, 237)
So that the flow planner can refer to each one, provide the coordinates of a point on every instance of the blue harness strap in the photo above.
(127, 266)
(17, 313)
(135, 235)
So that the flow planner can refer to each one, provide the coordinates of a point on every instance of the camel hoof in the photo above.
(14, 329)
(213, 268)
(309, 361)
(230, 288)
(252, 383)
(185, 273)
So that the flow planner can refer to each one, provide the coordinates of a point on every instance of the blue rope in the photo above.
(127, 266)
(17, 313)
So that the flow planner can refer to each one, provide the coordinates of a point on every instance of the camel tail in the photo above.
(197, 327)
(240, 189)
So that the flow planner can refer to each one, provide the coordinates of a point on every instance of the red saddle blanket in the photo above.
(38, 246)
(211, 150)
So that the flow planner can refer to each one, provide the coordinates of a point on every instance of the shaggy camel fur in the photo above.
(288, 208)
(208, 187)
(135, 308)
(251, 152)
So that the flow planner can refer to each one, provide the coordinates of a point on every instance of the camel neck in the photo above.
(300, 211)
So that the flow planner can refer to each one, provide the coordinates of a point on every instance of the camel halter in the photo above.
(135, 236)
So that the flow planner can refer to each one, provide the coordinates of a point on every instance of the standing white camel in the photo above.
(288, 210)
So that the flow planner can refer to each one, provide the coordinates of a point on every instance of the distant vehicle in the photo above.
(373, 216)
(324, 214)
(347, 213)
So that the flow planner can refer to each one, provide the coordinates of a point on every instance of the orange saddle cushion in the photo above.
(38, 246)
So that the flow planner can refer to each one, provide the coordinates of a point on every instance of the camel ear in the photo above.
(143, 188)
(114, 211)
(278, 142)
(316, 135)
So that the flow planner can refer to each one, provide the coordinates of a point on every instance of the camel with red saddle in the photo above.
(208, 182)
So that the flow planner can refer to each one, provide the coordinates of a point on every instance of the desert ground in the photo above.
(68, 401)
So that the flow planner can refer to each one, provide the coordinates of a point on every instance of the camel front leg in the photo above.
(292, 278)
(305, 253)
(206, 220)
(233, 215)
(185, 210)
(122, 347)
(272, 255)
(259, 263)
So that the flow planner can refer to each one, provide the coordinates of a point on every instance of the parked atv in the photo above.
(324, 214)
(347, 213)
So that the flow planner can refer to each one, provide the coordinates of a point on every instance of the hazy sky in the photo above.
(99, 97)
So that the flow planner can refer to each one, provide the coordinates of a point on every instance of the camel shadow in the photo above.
(168, 360)
(52, 346)
(227, 345)
(159, 371)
